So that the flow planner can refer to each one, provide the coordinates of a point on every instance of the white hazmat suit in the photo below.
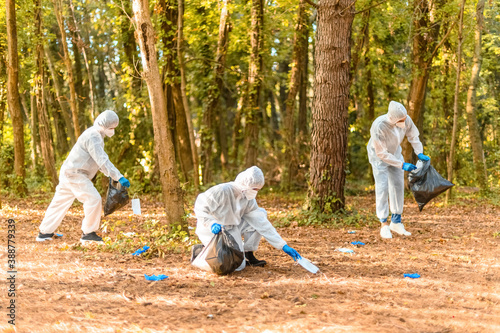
(227, 205)
(84, 160)
(384, 154)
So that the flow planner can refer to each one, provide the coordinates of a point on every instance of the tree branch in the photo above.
(369, 7)
(440, 43)
(315, 5)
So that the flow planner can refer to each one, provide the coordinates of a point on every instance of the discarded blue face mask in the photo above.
(357, 243)
(144, 249)
(155, 277)
(345, 250)
(413, 276)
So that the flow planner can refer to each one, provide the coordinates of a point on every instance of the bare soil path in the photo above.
(456, 250)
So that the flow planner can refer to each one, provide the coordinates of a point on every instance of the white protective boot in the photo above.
(385, 232)
(399, 228)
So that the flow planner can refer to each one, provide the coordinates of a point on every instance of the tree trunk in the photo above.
(209, 125)
(69, 68)
(451, 159)
(474, 133)
(290, 166)
(35, 136)
(331, 101)
(172, 193)
(60, 97)
(61, 140)
(425, 36)
(13, 97)
(304, 84)
(90, 75)
(189, 121)
(253, 113)
(43, 121)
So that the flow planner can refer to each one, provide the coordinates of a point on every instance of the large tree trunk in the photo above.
(69, 68)
(474, 133)
(172, 193)
(43, 121)
(60, 96)
(290, 166)
(425, 37)
(253, 113)
(210, 125)
(189, 121)
(331, 101)
(451, 159)
(13, 97)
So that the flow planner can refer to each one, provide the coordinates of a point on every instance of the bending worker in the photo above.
(233, 206)
(384, 153)
(86, 157)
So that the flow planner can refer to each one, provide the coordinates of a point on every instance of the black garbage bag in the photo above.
(223, 254)
(117, 197)
(426, 184)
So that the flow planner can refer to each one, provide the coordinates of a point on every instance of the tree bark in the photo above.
(69, 68)
(474, 132)
(290, 166)
(253, 113)
(331, 101)
(13, 97)
(172, 193)
(189, 121)
(451, 159)
(60, 96)
(424, 42)
(210, 126)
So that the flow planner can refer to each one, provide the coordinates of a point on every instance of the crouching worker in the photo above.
(233, 206)
(86, 157)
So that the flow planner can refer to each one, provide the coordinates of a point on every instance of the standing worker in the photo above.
(233, 206)
(86, 157)
(384, 153)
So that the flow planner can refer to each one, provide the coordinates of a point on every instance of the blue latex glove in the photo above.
(142, 250)
(409, 167)
(423, 157)
(216, 228)
(413, 276)
(155, 277)
(357, 243)
(291, 252)
(124, 182)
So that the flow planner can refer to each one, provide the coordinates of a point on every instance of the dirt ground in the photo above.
(456, 250)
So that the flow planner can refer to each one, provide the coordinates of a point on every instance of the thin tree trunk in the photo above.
(69, 68)
(189, 120)
(43, 122)
(90, 75)
(237, 130)
(254, 84)
(290, 166)
(474, 133)
(35, 135)
(451, 159)
(331, 101)
(13, 97)
(61, 141)
(60, 96)
(304, 84)
(209, 125)
(172, 192)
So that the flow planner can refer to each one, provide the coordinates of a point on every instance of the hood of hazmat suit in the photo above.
(227, 205)
(386, 137)
(88, 156)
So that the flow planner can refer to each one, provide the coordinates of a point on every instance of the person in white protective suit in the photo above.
(84, 160)
(232, 206)
(384, 153)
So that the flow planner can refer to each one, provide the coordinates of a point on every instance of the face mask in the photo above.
(250, 194)
(109, 132)
(401, 124)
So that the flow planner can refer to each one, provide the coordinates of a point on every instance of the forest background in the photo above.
(289, 85)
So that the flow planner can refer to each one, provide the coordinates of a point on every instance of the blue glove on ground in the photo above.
(409, 167)
(216, 228)
(291, 252)
(413, 276)
(124, 182)
(156, 277)
(141, 250)
(423, 157)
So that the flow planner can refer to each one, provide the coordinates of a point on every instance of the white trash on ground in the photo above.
(308, 265)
